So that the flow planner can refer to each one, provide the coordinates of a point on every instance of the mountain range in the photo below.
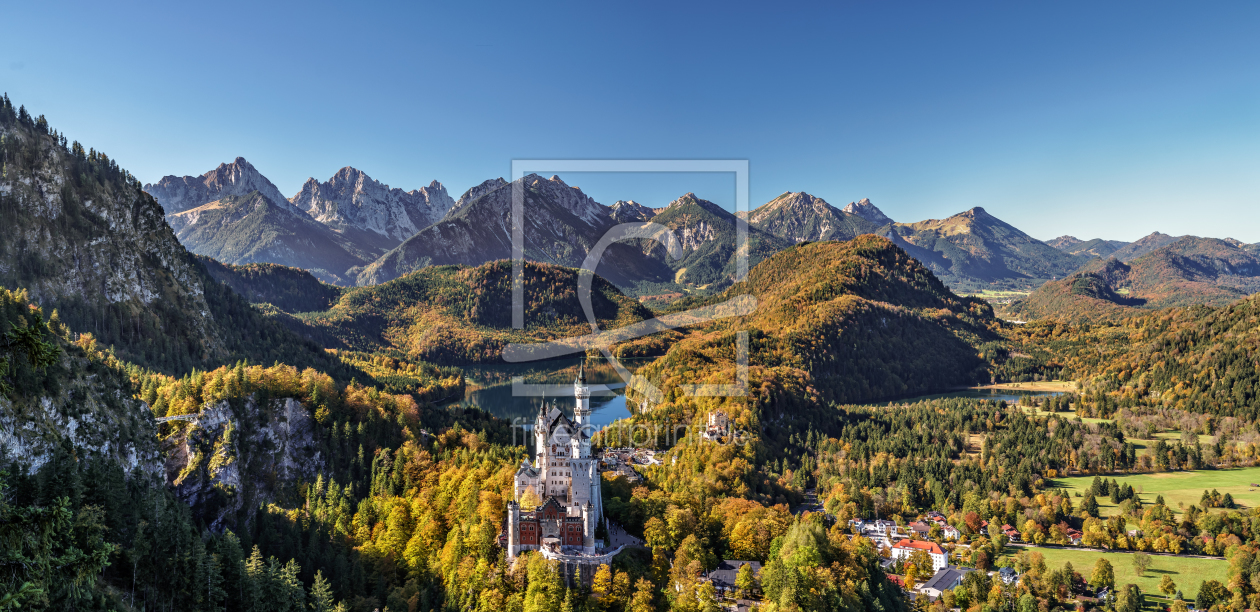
(1188, 271)
(354, 230)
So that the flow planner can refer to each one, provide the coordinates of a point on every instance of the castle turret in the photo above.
(588, 529)
(540, 436)
(513, 528)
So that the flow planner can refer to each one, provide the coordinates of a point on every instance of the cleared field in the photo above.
(1178, 488)
(1066, 414)
(1055, 386)
(1187, 572)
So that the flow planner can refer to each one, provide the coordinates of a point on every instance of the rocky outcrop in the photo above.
(180, 193)
(351, 198)
(238, 454)
(84, 402)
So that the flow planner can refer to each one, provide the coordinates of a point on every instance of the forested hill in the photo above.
(462, 314)
(85, 241)
(286, 288)
(1199, 359)
(854, 321)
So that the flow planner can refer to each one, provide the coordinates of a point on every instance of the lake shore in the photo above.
(1057, 386)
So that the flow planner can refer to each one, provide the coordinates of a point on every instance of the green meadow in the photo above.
(1188, 573)
(1178, 488)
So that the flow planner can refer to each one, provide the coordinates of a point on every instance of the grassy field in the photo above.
(1059, 386)
(1067, 414)
(1188, 573)
(1177, 487)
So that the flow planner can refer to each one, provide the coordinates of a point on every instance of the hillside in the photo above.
(1144, 245)
(975, 250)
(799, 217)
(462, 314)
(85, 241)
(289, 289)
(853, 321)
(1190, 271)
(1093, 248)
(1200, 359)
(253, 229)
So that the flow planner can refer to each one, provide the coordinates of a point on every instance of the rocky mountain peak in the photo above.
(629, 211)
(863, 208)
(350, 198)
(477, 191)
(180, 193)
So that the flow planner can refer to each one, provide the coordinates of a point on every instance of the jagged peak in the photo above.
(865, 209)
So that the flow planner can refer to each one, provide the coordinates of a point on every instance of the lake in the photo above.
(490, 388)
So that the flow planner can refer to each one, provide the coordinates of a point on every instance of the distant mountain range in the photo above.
(251, 228)
(1094, 248)
(354, 230)
(236, 215)
(1188, 271)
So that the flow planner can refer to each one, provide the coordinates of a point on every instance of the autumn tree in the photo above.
(1103, 575)
(1141, 563)
(642, 600)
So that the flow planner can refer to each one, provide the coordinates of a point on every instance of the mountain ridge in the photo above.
(799, 217)
(1189, 271)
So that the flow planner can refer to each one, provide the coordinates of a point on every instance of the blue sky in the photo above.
(1099, 121)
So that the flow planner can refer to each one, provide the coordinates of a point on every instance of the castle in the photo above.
(565, 477)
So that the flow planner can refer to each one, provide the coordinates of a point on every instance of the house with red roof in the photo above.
(903, 549)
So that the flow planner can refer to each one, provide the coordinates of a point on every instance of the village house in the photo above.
(944, 579)
(724, 577)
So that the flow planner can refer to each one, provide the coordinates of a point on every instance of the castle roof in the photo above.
(551, 419)
(526, 469)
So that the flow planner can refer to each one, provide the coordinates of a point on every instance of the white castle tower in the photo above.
(582, 415)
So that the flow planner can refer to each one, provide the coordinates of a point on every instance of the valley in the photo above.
(338, 426)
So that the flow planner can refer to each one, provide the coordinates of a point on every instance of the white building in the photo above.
(903, 549)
